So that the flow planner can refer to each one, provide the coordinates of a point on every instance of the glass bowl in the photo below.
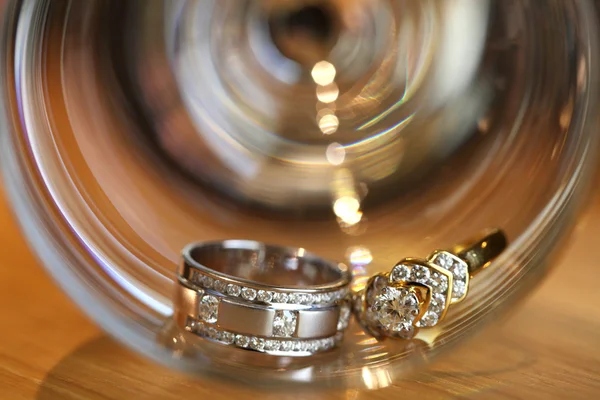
(364, 132)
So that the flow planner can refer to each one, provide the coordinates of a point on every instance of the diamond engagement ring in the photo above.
(269, 299)
(417, 293)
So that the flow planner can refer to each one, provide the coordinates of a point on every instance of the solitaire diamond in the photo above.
(284, 323)
(395, 309)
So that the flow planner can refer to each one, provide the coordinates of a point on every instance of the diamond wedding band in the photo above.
(417, 293)
(265, 298)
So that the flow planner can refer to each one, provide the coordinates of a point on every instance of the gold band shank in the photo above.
(480, 252)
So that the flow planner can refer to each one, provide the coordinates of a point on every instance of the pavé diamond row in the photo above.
(267, 296)
(262, 344)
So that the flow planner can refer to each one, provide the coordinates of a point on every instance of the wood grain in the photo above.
(549, 349)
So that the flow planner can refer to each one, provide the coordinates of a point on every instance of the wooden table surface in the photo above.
(548, 349)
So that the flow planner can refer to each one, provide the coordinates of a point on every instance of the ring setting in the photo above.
(417, 293)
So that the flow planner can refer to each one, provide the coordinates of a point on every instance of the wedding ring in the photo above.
(417, 293)
(269, 299)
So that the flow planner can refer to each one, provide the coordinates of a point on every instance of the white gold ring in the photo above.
(270, 299)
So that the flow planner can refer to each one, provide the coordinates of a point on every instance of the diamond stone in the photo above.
(257, 344)
(317, 298)
(212, 333)
(242, 341)
(429, 319)
(437, 304)
(209, 308)
(344, 319)
(306, 299)
(280, 298)
(459, 270)
(400, 273)
(284, 323)
(459, 289)
(294, 298)
(196, 277)
(272, 345)
(233, 290)
(420, 274)
(287, 345)
(248, 294)
(395, 309)
(220, 286)
(439, 282)
(444, 260)
(207, 282)
(227, 337)
(329, 343)
(264, 296)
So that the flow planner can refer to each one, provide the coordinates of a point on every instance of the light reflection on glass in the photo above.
(376, 379)
(359, 283)
(329, 124)
(328, 94)
(346, 206)
(360, 256)
(371, 341)
(336, 154)
(376, 356)
(323, 73)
